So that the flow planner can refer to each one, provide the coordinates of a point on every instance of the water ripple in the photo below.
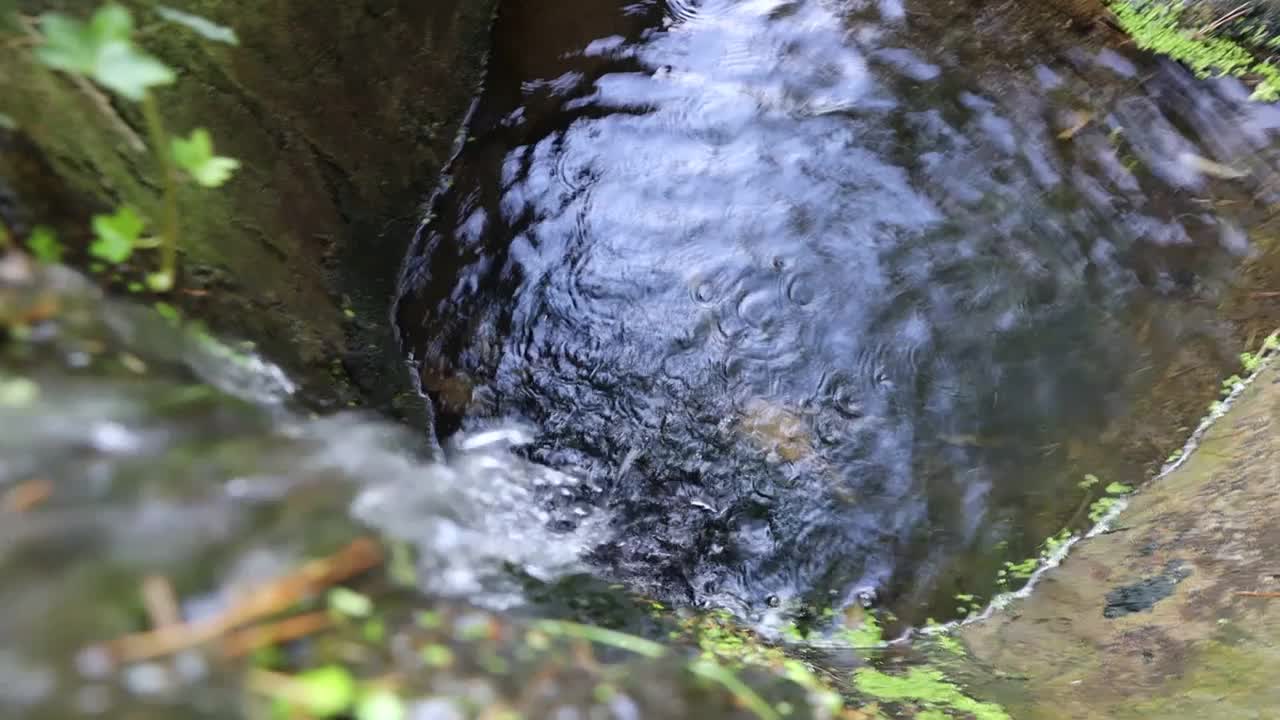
(803, 284)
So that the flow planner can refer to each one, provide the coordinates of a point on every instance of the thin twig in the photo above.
(1246, 7)
(243, 642)
(361, 555)
(1247, 593)
(26, 495)
(161, 602)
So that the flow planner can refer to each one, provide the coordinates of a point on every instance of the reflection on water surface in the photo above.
(828, 297)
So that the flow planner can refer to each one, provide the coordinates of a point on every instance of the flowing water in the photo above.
(767, 306)
(831, 301)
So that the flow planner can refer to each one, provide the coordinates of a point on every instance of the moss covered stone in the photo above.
(342, 115)
(1202, 645)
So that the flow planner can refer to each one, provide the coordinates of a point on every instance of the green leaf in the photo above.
(381, 704)
(160, 282)
(326, 691)
(103, 50)
(1119, 489)
(130, 73)
(116, 234)
(18, 392)
(44, 244)
(346, 601)
(68, 44)
(436, 656)
(203, 27)
(195, 155)
(111, 23)
(169, 312)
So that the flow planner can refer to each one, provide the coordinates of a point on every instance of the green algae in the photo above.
(867, 635)
(928, 687)
(1224, 680)
(1156, 27)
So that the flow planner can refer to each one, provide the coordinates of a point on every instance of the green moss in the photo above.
(1155, 26)
(1222, 681)
(924, 686)
(866, 635)
(949, 644)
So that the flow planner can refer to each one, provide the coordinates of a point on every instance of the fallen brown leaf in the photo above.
(27, 495)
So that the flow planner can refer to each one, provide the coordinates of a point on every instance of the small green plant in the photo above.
(116, 235)
(195, 155)
(927, 687)
(1230, 384)
(43, 243)
(1017, 570)
(967, 604)
(102, 50)
(866, 635)
(1100, 508)
(1156, 26)
(1272, 342)
(345, 602)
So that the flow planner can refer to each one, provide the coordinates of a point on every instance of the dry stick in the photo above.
(361, 555)
(1225, 19)
(243, 642)
(161, 602)
(26, 495)
(1247, 593)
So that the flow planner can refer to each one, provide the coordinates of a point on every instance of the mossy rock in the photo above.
(1173, 615)
(342, 115)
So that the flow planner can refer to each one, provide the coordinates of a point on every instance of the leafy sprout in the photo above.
(116, 234)
(195, 155)
(44, 244)
(102, 49)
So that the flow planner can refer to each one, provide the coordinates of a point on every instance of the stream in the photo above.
(773, 309)
(831, 302)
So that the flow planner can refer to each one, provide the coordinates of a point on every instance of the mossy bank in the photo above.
(1173, 613)
(342, 115)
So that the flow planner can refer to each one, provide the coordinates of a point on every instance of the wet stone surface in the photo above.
(1144, 594)
(1193, 555)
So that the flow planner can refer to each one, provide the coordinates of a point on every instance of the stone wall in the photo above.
(342, 114)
